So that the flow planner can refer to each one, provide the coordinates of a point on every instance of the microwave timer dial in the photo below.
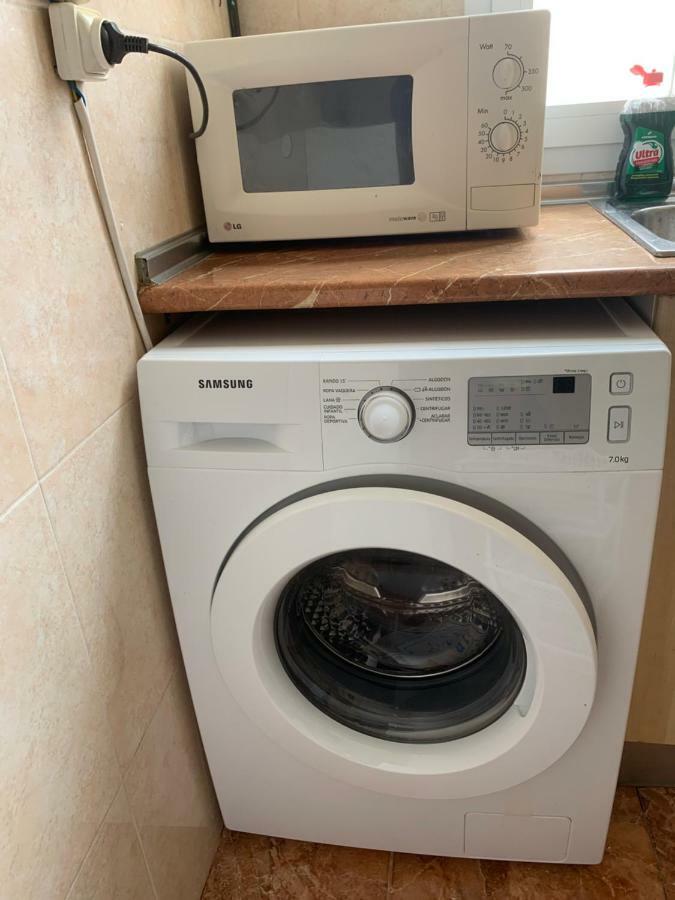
(505, 136)
(503, 140)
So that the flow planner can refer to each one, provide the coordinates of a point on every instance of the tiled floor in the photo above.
(639, 863)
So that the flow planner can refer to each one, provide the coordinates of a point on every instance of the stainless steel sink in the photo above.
(651, 226)
(660, 220)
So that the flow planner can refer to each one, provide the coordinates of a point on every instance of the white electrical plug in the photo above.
(76, 32)
(87, 46)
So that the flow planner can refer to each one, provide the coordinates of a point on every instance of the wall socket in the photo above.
(76, 32)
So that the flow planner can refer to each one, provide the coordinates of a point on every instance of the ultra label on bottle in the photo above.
(647, 155)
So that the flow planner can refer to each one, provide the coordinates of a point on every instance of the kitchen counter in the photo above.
(573, 252)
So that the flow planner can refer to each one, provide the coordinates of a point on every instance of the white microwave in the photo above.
(394, 128)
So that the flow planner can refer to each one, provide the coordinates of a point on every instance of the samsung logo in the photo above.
(225, 383)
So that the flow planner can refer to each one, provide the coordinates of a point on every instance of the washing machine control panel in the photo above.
(579, 386)
(529, 410)
(494, 411)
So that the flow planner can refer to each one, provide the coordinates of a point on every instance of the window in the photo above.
(594, 44)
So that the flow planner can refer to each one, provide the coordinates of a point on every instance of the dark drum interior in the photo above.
(399, 646)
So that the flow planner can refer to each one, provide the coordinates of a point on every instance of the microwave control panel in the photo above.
(508, 57)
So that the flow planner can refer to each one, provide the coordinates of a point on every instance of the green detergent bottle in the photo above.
(645, 167)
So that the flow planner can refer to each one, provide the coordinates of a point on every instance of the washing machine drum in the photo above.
(405, 642)
(398, 645)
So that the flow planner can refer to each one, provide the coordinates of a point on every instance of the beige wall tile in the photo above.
(68, 338)
(16, 471)
(329, 13)
(170, 792)
(58, 772)
(203, 21)
(142, 122)
(452, 8)
(71, 346)
(99, 503)
(268, 16)
(114, 867)
(175, 20)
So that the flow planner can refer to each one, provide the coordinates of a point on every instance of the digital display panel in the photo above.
(529, 410)
(564, 384)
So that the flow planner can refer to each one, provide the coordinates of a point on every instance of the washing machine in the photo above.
(408, 552)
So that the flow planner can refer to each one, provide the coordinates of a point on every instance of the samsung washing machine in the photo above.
(408, 553)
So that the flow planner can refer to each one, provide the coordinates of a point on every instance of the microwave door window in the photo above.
(326, 135)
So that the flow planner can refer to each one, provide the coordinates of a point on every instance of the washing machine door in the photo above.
(404, 642)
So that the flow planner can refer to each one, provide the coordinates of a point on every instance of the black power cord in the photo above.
(233, 14)
(156, 48)
(116, 45)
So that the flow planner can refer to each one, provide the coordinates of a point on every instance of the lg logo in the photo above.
(232, 226)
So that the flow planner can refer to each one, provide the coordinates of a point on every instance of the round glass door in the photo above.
(404, 642)
(398, 645)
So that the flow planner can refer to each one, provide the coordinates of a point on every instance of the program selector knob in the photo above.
(508, 73)
(504, 137)
(386, 414)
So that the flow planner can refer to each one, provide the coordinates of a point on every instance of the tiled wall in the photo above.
(264, 16)
(104, 787)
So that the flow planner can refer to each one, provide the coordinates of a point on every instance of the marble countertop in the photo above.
(573, 252)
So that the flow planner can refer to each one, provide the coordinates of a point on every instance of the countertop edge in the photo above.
(468, 267)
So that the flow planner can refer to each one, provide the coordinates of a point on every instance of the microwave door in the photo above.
(336, 132)
(331, 135)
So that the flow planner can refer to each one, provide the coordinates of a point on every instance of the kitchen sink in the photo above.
(660, 220)
(651, 226)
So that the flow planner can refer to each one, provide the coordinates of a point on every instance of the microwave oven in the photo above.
(392, 128)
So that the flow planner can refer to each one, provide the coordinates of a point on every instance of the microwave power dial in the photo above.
(386, 414)
(508, 72)
(504, 136)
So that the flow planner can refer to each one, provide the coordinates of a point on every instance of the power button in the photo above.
(621, 383)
